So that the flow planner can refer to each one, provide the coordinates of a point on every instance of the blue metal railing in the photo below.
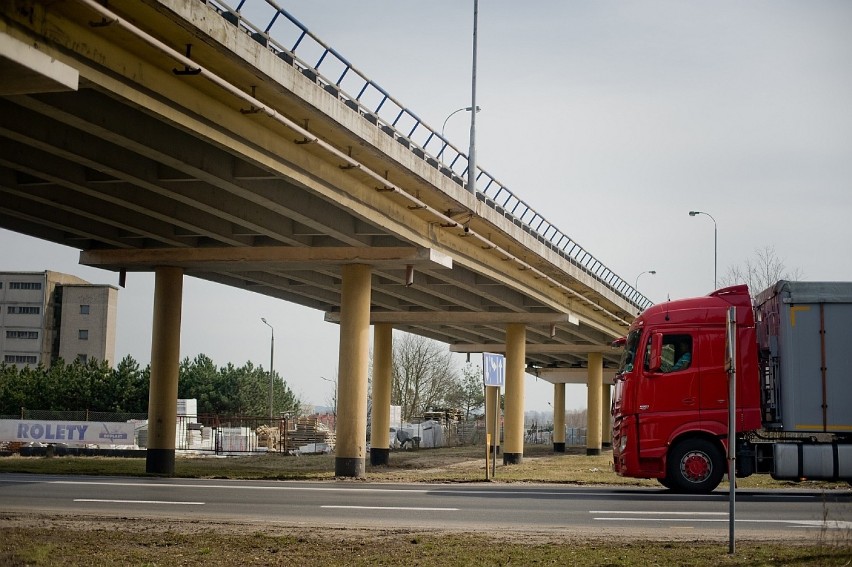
(373, 103)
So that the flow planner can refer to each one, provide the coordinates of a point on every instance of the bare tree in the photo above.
(576, 418)
(760, 272)
(423, 374)
(468, 393)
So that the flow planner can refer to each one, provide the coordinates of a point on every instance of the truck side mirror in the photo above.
(655, 361)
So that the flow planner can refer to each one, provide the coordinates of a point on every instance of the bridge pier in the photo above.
(606, 402)
(559, 417)
(382, 377)
(594, 405)
(165, 360)
(516, 339)
(353, 369)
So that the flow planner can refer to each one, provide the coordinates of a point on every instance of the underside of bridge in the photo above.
(159, 136)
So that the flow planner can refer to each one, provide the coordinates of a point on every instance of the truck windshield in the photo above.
(629, 355)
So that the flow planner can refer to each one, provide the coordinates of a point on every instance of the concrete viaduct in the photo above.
(178, 137)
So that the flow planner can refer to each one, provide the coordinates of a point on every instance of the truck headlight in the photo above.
(622, 444)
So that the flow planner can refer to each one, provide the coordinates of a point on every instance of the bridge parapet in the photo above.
(295, 44)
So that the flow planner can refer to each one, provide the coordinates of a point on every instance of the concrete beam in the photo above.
(572, 375)
(535, 348)
(460, 318)
(26, 70)
(258, 259)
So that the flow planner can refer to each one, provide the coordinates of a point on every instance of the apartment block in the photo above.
(45, 316)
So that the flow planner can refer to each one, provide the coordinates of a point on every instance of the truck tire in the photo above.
(695, 465)
(666, 483)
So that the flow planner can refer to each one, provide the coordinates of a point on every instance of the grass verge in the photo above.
(44, 546)
(451, 464)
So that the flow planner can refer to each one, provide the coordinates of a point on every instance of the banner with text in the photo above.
(44, 431)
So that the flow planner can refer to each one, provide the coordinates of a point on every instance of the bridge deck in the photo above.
(191, 137)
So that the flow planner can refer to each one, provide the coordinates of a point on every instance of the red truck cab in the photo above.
(670, 404)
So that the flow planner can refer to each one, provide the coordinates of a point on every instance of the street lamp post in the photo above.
(465, 109)
(715, 241)
(334, 409)
(271, 361)
(471, 156)
(636, 285)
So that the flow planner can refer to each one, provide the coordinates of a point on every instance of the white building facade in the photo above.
(45, 316)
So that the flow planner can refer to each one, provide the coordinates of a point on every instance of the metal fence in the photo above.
(285, 36)
(574, 436)
(235, 435)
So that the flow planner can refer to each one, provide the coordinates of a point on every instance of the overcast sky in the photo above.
(613, 119)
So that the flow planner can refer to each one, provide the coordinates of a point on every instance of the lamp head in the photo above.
(693, 213)
(652, 271)
(264, 320)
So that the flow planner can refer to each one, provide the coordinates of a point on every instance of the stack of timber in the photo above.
(310, 436)
(444, 416)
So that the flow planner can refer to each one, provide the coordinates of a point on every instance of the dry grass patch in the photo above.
(107, 542)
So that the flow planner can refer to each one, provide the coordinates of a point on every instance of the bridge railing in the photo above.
(357, 91)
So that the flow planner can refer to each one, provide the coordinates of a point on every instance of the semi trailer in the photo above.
(793, 364)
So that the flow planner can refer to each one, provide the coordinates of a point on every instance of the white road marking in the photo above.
(630, 516)
(416, 509)
(136, 501)
(650, 512)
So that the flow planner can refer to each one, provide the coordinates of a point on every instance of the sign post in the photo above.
(494, 375)
(731, 367)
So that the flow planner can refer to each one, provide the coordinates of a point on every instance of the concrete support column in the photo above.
(593, 406)
(382, 378)
(353, 368)
(559, 418)
(606, 402)
(165, 359)
(516, 339)
(492, 421)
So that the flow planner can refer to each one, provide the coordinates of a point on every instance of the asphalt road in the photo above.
(769, 514)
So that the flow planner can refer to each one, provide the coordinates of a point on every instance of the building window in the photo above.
(83, 334)
(19, 359)
(24, 285)
(21, 334)
(84, 310)
(82, 358)
(23, 310)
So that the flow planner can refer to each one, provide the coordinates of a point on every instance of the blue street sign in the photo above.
(494, 369)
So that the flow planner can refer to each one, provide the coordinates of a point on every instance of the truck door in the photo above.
(669, 390)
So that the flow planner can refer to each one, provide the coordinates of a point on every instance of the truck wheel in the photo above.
(694, 465)
(666, 482)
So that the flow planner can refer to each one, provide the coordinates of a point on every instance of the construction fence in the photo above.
(234, 435)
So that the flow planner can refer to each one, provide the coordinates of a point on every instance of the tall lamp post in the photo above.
(636, 285)
(334, 409)
(271, 360)
(715, 240)
(471, 156)
(465, 109)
